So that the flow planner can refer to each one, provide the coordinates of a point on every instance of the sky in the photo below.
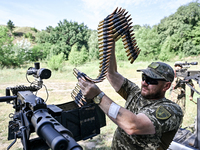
(43, 13)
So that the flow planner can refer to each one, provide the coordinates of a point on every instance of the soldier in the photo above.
(148, 120)
(178, 89)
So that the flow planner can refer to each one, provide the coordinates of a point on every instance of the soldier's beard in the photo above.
(152, 95)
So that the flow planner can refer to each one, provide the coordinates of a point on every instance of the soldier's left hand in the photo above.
(89, 89)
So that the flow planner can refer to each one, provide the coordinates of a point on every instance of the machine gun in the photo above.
(188, 75)
(58, 127)
(184, 139)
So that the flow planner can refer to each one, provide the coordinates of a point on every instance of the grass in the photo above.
(60, 86)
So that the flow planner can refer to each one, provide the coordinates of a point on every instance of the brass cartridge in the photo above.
(77, 97)
(128, 53)
(130, 42)
(103, 61)
(104, 57)
(104, 34)
(107, 18)
(115, 11)
(104, 67)
(105, 45)
(105, 37)
(118, 23)
(121, 30)
(106, 21)
(117, 38)
(75, 100)
(105, 52)
(105, 41)
(113, 22)
(128, 35)
(105, 30)
(135, 57)
(123, 10)
(125, 13)
(105, 48)
(128, 39)
(104, 64)
(75, 74)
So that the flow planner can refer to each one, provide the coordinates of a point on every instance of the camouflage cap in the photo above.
(159, 70)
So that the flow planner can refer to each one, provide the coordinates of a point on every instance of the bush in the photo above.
(36, 53)
(78, 57)
(29, 36)
(34, 29)
(56, 62)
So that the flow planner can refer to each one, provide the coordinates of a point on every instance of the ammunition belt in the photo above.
(115, 26)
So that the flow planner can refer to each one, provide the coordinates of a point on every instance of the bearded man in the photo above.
(148, 120)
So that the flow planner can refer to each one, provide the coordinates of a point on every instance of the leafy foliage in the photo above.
(77, 57)
(5, 48)
(64, 36)
(175, 35)
(10, 25)
(93, 45)
(180, 29)
(56, 62)
(120, 51)
(149, 43)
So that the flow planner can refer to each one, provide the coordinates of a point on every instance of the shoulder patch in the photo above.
(162, 113)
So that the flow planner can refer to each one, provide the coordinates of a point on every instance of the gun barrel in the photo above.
(55, 140)
(7, 98)
(56, 136)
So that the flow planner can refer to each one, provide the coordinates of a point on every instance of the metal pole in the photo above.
(198, 122)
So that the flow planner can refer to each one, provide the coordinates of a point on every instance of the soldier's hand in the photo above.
(190, 98)
(89, 89)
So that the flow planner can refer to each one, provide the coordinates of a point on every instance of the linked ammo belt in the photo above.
(115, 26)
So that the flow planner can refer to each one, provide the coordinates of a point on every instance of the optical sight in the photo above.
(38, 72)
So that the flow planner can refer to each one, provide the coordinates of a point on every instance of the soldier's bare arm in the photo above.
(115, 79)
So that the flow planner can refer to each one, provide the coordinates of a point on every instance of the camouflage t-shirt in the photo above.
(165, 115)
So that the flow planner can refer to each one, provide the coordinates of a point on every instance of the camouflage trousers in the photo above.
(178, 96)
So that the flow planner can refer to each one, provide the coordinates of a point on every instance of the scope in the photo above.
(38, 72)
(185, 63)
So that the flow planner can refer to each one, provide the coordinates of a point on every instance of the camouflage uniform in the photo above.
(165, 115)
(178, 92)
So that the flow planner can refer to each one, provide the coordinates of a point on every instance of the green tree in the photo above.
(136, 27)
(10, 25)
(56, 62)
(77, 57)
(195, 34)
(93, 45)
(74, 56)
(148, 41)
(120, 51)
(83, 54)
(179, 28)
(65, 35)
(6, 52)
